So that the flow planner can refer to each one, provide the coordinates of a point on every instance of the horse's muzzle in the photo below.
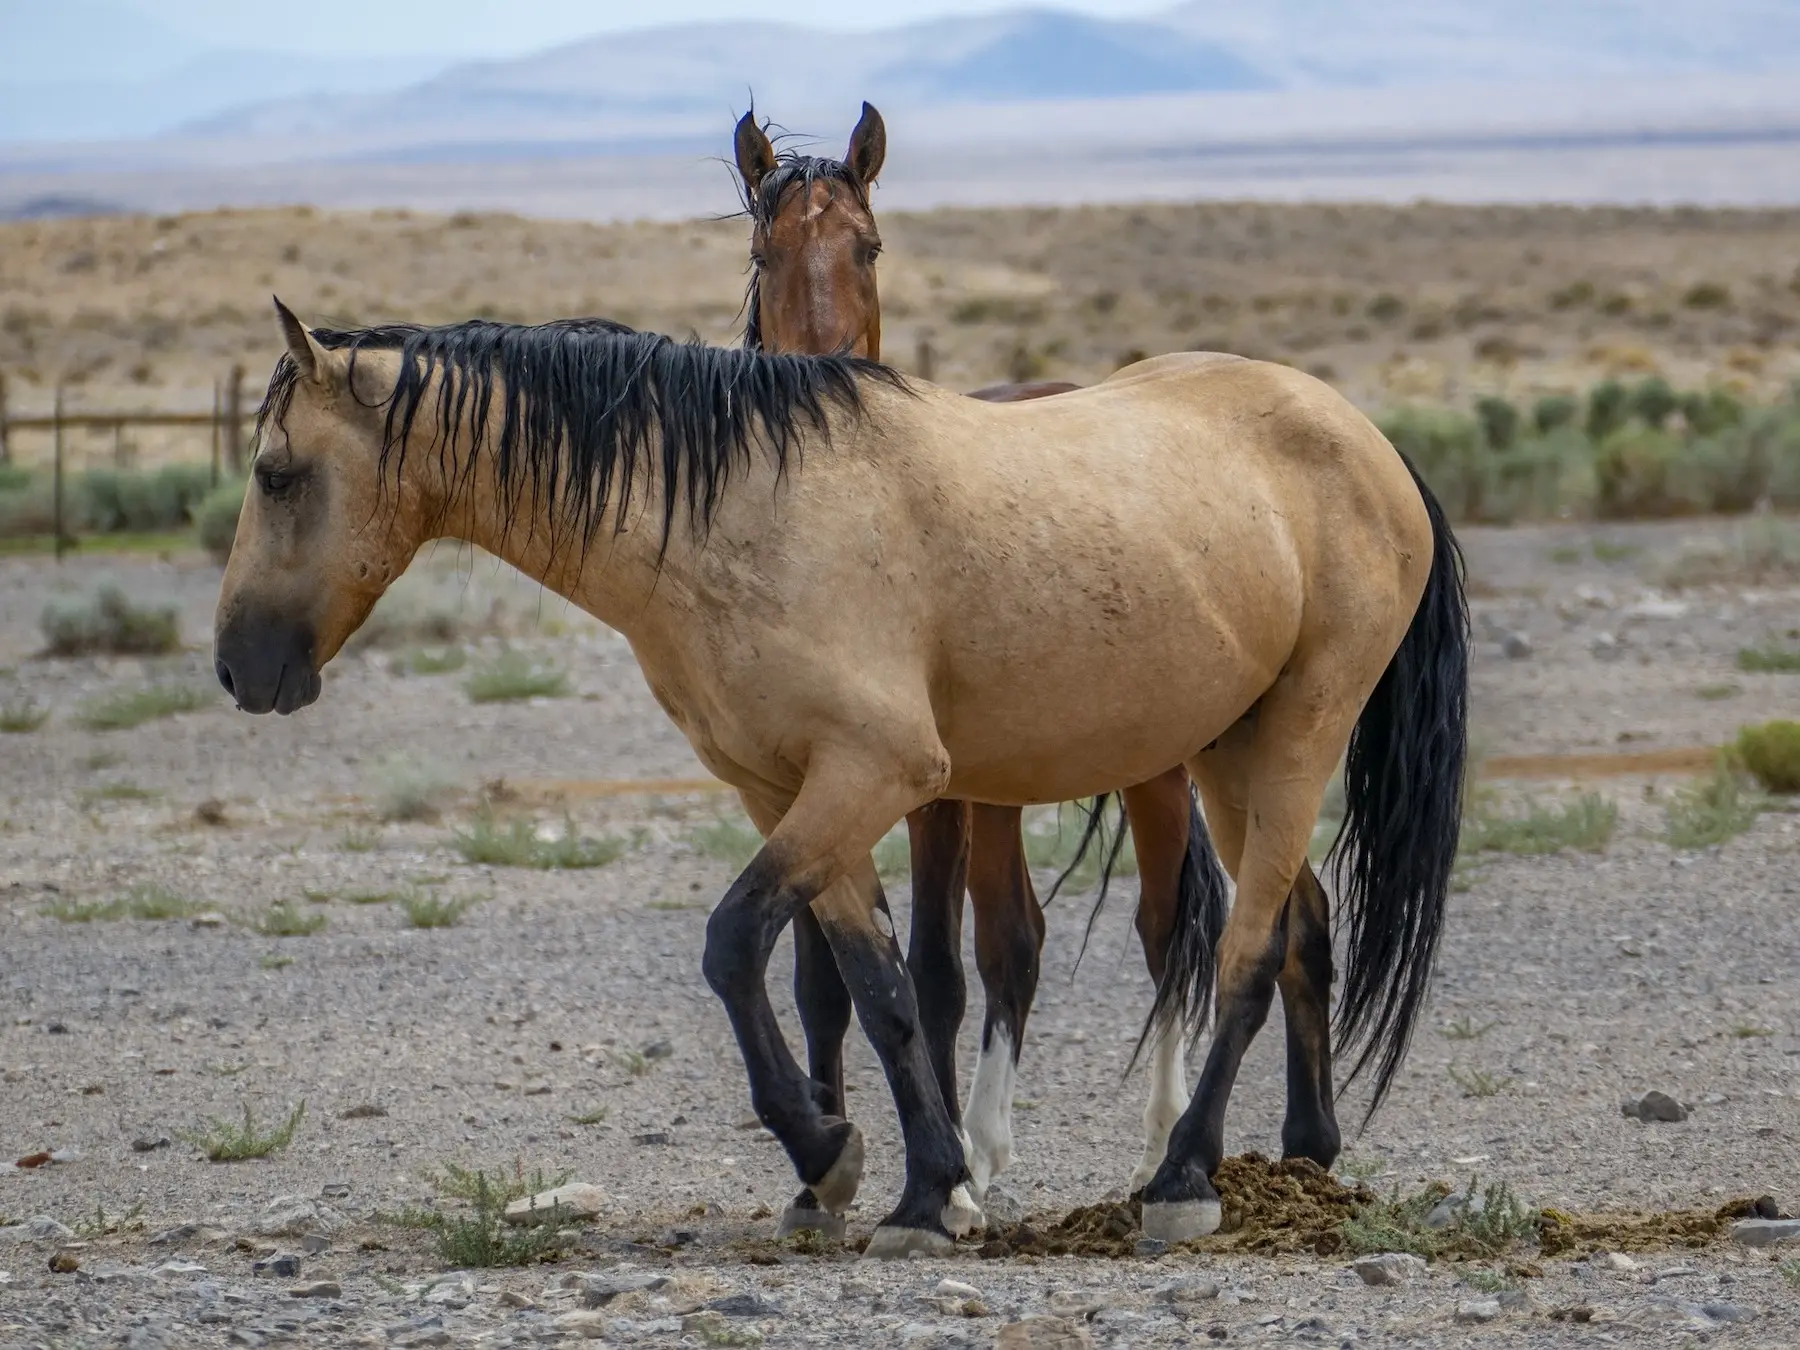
(267, 667)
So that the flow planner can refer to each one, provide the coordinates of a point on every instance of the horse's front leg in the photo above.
(818, 853)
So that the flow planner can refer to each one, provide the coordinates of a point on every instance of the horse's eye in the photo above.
(870, 252)
(275, 481)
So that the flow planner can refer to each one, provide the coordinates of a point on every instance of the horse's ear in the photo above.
(312, 360)
(868, 145)
(755, 155)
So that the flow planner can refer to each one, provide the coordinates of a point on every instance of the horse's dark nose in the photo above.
(223, 671)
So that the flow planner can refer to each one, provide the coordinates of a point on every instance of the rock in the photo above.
(658, 1050)
(1044, 1333)
(210, 812)
(1388, 1268)
(599, 1290)
(317, 1289)
(1765, 1232)
(66, 1262)
(187, 1232)
(577, 1200)
(1513, 1300)
(590, 1326)
(175, 1270)
(1606, 647)
(210, 919)
(1727, 1312)
(651, 1137)
(1656, 608)
(747, 1304)
(1612, 1261)
(1515, 646)
(712, 1329)
(1478, 1310)
(955, 1289)
(512, 1298)
(1655, 1106)
(281, 1266)
(1451, 1208)
(148, 1143)
(295, 1216)
(1002, 1207)
(315, 1244)
(1076, 1302)
(42, 1228)
(1195, 1289)
(455, 1290)
(1149, 1247)
(538, 1087)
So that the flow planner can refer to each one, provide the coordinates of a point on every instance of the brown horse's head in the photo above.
(317, 541)
(813, 243)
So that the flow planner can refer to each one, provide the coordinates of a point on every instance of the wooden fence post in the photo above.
(56, 472)
(5, 441)
(924, 360)
(215, 434)
(234, 418)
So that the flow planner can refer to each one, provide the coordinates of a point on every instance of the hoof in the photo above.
(1180, 1220)
(896, 1244)
(799, 1219)
(962, 1214)
(837, 1188)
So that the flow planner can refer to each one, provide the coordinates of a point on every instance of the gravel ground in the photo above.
(1566, 983)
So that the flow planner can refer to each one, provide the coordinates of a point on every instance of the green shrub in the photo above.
(114, 500)
(1586, 822)
(1499, 422)
(1714, 410)
(134, 707)
(216, 519)
(1655, 400)
(109, 621)
(514, 675)
(517, 844)
(1711, 811)
(1554, 411)
(1771, 752)
(1608, 409)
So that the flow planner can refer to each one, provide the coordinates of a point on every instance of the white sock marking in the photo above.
(1168, 1099)
(989, 1114)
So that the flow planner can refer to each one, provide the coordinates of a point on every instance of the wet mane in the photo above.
(791, 170)
(585, 405)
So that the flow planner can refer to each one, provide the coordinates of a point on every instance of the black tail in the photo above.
(1403, 787)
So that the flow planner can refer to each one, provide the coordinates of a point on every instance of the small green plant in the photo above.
(216, 519)
(893, 855)
(109, 622)
(407, 788)
(285, 919)
(594, 1117)
(1477, 1083)
(147, 902)
(515, 675)
(1566, 555)
(1481, 1224)
(373, 897)
(1790, 1271)
(506, 1185)
(101, 1224)
(480, 1238)
(1606, 551)
(133, 708)
(729, 841)
(1718, 693)
(1709, 812)
(1464, 1029)
(519, 843)
(634, 1062)
(272, 961)
(116, 792)
(227, 1141)
(354, 840)
(434, 660)
(1361, 1169)
(1585, 822)
(1771, 753)
(22, 715)
(424, 909)
(1487, 1281)
(1769, 659)
(1745, 1031)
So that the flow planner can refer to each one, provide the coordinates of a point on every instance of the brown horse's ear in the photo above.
(755, 155)
(312, 360)
(868, 146)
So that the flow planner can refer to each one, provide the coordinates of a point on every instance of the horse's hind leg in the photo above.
(824, 1006)
(1299, 735)
(1158, 812)
(1310, 1129)
(1009, 936)
(939, 835)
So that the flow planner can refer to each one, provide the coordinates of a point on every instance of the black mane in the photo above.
(583, 405)
(791, 170)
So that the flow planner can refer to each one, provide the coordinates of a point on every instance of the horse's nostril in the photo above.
(224, 673)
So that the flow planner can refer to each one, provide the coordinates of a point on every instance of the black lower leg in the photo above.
(940, 863)
(1197, 1144)
(1310, 1129)
(739, 937)
(824, 1005)
(888, 1010)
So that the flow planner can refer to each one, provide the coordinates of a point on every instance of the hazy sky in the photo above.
(508, 27)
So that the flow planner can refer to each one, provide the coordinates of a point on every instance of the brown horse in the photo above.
(857, 596)
(813, 288)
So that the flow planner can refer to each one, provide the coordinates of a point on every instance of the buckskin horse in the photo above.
(857, 595)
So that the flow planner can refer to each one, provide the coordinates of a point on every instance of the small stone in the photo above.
(1195, 1289)
(335, 1190)
(1655, 1106)
(1076, 1302)
(577, 1200)
(282, 1266)
(65, 1262)
(210, 919)
(296, 1215)
(748, 1304)
(537, 1088)
(363, 1111)
(1515, 646)
(1727, 1312)
(1478, 1310)
(1044, 1333)
(1612, 1261)
(317, 1289)
(1764, 1232)
(39, 1228)
(1388, 1268)
(955, 1289)
(315, 1244)
(590, 1326)
(512, 1298)
(1606, 647)
(658, 1050)
(651, 1137)
(712, 1328)
(210, 812)
(174, 1270)
(1150, 1247)
(1513, 1300)
(453, 1291)
(149, 1143)
(599, 1290)
(1002, 1207)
